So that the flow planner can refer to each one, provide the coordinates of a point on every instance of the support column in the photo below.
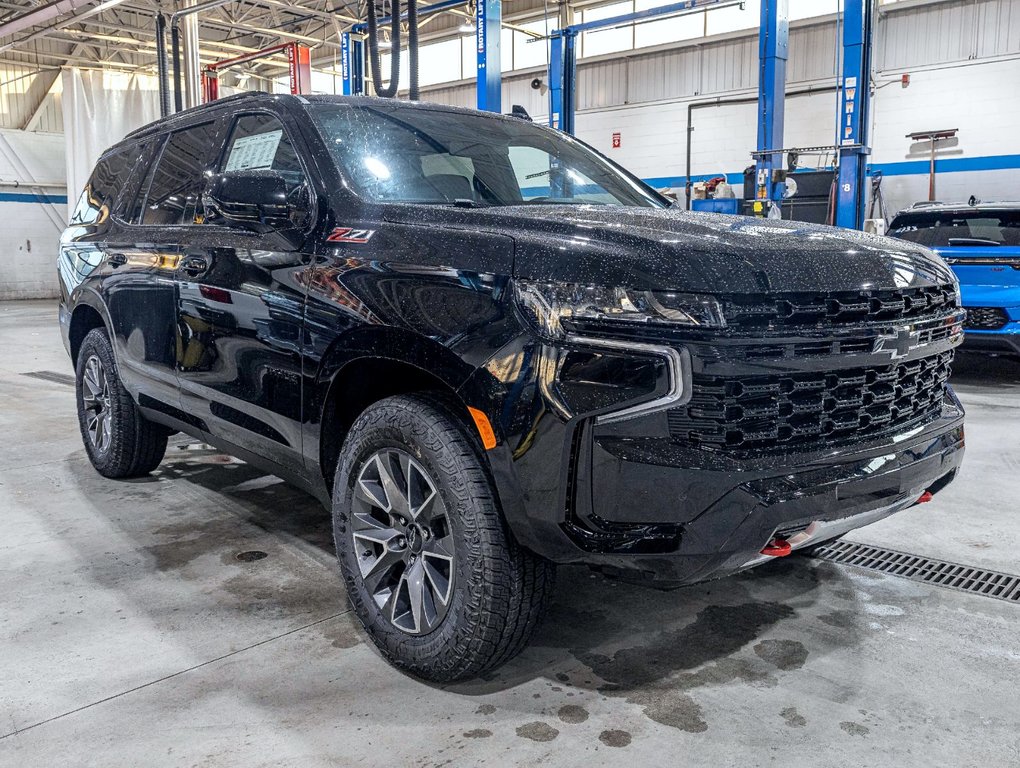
(562, 77)
(488, 22)
(192, 68)
(854, 118)
(773, 50)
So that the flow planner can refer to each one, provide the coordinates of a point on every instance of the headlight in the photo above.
(549, 304)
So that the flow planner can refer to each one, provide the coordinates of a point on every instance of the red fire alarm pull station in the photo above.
(616, 140)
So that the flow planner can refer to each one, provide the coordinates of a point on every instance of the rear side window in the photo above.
(259, 142)
(941, 229)
(100, 196)
(175, 189)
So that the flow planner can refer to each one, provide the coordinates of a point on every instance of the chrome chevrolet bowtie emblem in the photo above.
(898, 343)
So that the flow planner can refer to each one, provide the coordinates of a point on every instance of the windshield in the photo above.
(400, 154)
(940, 229)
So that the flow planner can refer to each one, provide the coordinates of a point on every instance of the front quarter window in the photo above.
(415, 155)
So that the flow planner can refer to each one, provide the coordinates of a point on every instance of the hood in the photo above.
(680, 250)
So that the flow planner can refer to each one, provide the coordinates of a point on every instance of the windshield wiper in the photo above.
(972, 241)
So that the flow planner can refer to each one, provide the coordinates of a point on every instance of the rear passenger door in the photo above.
(167, 209)
(240, 310)
(137, 281)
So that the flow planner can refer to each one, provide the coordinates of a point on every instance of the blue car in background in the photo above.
(981, 242)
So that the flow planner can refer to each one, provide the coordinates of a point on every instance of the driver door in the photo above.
(240, 309)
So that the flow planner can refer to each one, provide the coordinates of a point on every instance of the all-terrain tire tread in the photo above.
(505, 599)
(137, 445)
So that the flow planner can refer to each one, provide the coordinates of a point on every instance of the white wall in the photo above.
(33, 218)
(982, 100)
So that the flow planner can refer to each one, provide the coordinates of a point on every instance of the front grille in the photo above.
(786, 310)
(985, 318)
(750, 413)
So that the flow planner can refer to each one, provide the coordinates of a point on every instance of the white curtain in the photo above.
(100, 108)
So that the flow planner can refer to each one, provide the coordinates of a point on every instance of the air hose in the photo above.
(373, 49)
(412, 47)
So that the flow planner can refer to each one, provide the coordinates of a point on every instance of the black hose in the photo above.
(164, 80)
(412, 47)
(373, 50)
(175, 44)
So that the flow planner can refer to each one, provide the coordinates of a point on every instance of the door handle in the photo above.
(194, 265)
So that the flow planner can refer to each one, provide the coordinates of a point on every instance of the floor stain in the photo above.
(537, 731)
(615, 738)
(478, 733)
(793, 718)
(485, 709)
(839, 619)
(784, 654)
(346, 636)
(572, 713)
(657, 676)
(855, 729)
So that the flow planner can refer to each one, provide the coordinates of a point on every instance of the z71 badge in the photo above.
(349, 235)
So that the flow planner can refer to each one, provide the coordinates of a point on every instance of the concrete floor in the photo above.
(131, 635)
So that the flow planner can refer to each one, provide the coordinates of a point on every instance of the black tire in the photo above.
(498, 591)
(129, 444)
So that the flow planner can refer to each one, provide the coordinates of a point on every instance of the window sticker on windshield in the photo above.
(254, 152)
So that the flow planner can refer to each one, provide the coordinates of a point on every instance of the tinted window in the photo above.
(436, 156)
(112, 173)
(178, 179)
(130, 205)
(940, 229)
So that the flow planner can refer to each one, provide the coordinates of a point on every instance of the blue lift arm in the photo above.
(854, 118)
(488, 23)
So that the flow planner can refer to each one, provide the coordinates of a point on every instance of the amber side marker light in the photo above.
(484, 428)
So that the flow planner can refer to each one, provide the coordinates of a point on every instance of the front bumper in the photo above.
(1003, 340)
(630, 498)
(691, 540)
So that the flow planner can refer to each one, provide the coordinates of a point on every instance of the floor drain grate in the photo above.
(59, 378)
(966, 578)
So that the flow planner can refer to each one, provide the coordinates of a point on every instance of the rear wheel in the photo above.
(431, 569)
(119, 441)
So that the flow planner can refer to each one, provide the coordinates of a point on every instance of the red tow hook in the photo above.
(925, 497)
(777, 548)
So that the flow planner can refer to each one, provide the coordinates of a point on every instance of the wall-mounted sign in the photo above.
(616, 139)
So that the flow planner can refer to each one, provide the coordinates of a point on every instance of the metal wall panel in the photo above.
(602, 84)
(997, 27)
(731, 65)
(667, 75)
(812, 53)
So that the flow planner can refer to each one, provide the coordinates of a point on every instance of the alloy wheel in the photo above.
(95, 395)
(403, 541)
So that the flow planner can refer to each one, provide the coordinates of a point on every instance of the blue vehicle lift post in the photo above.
(563, 53)
(488, 23)
(855, 103)
(773, 51)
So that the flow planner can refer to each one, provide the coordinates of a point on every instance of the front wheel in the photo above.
(431, 569)
(119, 441)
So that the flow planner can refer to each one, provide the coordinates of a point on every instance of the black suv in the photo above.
(490, 350)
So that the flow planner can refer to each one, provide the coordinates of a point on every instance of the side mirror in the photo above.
(253, 200)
